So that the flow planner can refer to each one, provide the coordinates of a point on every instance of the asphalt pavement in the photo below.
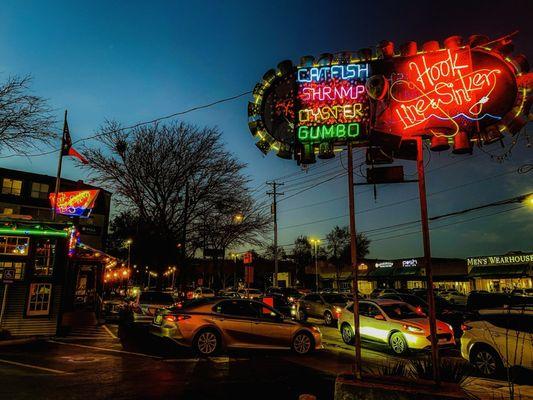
(96, 365)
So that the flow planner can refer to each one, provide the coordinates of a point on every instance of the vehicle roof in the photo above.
(383, 302)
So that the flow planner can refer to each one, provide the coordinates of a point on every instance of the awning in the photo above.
(385, 272)
(500, 271)
(405, 272)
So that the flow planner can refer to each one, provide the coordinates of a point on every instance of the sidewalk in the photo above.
(490, 389)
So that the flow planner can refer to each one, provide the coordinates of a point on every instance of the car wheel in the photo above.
(302, 316)
(328, 319)
(207, 343)
(302, 343)
(487, 361)
(398, 344)
(347, 333)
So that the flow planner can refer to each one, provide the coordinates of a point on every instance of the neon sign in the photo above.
(77, 203)
(460, 93)
(331, 102)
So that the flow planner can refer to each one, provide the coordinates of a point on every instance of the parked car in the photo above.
(291, 294)
(497, 339)
(144, 307)
(203, 292)
(455, 297)
(522, 292)
(228, 292)
(443, 309)
(321, 305)
(479, 301)
(279, 303)
(250, 293)
(395, 323)
(112, 306)
(379, 292)
(210, 325)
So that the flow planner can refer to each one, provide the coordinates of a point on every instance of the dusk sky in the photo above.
(137, 60)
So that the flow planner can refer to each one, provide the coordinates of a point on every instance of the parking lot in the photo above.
(152, 368)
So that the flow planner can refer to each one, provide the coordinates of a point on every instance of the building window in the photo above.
(11, 186)
(8, 211)
(39, 190)
(39, 299)
(45, 250)
(19, 268)
(14, 245)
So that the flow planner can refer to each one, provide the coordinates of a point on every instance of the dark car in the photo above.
(444, 310)
(289, 293)
(479, 301)
(279, 302)
(321, 305)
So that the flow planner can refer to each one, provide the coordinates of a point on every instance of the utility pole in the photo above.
(427, 258)
(353, 254)
(274, 193)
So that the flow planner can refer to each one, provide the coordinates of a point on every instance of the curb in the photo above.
(13, 342)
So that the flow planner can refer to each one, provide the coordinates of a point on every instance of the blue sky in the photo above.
(134, 61)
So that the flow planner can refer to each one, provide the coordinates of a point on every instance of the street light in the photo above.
(315, 242)
(528, 201)
(128, 243)
(237, 218)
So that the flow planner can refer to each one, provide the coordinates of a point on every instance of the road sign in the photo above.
(8, 275)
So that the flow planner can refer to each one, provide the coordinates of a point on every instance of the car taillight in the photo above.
(465, 327)
(176, 318)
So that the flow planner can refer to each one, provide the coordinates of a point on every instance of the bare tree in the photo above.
(26, 121)
(170, 175)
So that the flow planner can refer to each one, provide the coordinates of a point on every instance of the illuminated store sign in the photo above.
(513, 259)
(77, 203)
(461, 92)
(410, 263)
(384, 264)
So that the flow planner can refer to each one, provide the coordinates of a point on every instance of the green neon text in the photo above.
(328, 132)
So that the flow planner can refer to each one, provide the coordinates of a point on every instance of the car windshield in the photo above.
(334, 298)
(156, 298)
(400, 311)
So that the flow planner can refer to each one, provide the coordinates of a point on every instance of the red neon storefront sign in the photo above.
(77, 203)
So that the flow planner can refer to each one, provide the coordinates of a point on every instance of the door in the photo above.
(373, 329)
(511, 335)
(234, 319)
(269, 329)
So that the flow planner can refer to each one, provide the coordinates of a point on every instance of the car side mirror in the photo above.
(379, 317)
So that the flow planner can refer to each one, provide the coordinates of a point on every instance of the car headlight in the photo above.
(413, 329)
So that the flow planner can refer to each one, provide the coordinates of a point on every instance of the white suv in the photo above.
(499, 339)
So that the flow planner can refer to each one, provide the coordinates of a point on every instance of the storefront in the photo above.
(501, 273)
(33, 261)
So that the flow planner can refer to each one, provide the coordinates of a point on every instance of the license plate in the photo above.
(158, 319)
(443, 341)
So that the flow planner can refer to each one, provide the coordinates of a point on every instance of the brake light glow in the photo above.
(176, 318)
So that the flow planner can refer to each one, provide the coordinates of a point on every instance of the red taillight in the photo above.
(176, 318)
(465, 327)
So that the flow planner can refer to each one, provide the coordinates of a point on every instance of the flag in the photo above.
(68, 150)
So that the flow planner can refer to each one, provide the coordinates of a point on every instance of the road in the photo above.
(96, 366)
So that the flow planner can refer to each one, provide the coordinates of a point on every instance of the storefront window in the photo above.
(19, 268)
(45, 256)
(14, 245)
(39, 299)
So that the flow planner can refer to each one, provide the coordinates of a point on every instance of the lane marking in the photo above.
(109, 331)
(55, 371)
(106, 349)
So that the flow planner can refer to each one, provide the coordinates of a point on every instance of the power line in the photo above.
(196, 108)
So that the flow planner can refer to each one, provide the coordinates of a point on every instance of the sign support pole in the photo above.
(427, 258)
(353, 254)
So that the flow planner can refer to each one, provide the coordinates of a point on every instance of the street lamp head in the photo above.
(238, 217)
(129, 241)
(528, 201)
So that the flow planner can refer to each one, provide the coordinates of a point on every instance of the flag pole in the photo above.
(59, 164)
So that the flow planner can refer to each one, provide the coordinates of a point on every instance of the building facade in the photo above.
(27, 193)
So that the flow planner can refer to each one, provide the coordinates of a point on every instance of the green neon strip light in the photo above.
(33, 232)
